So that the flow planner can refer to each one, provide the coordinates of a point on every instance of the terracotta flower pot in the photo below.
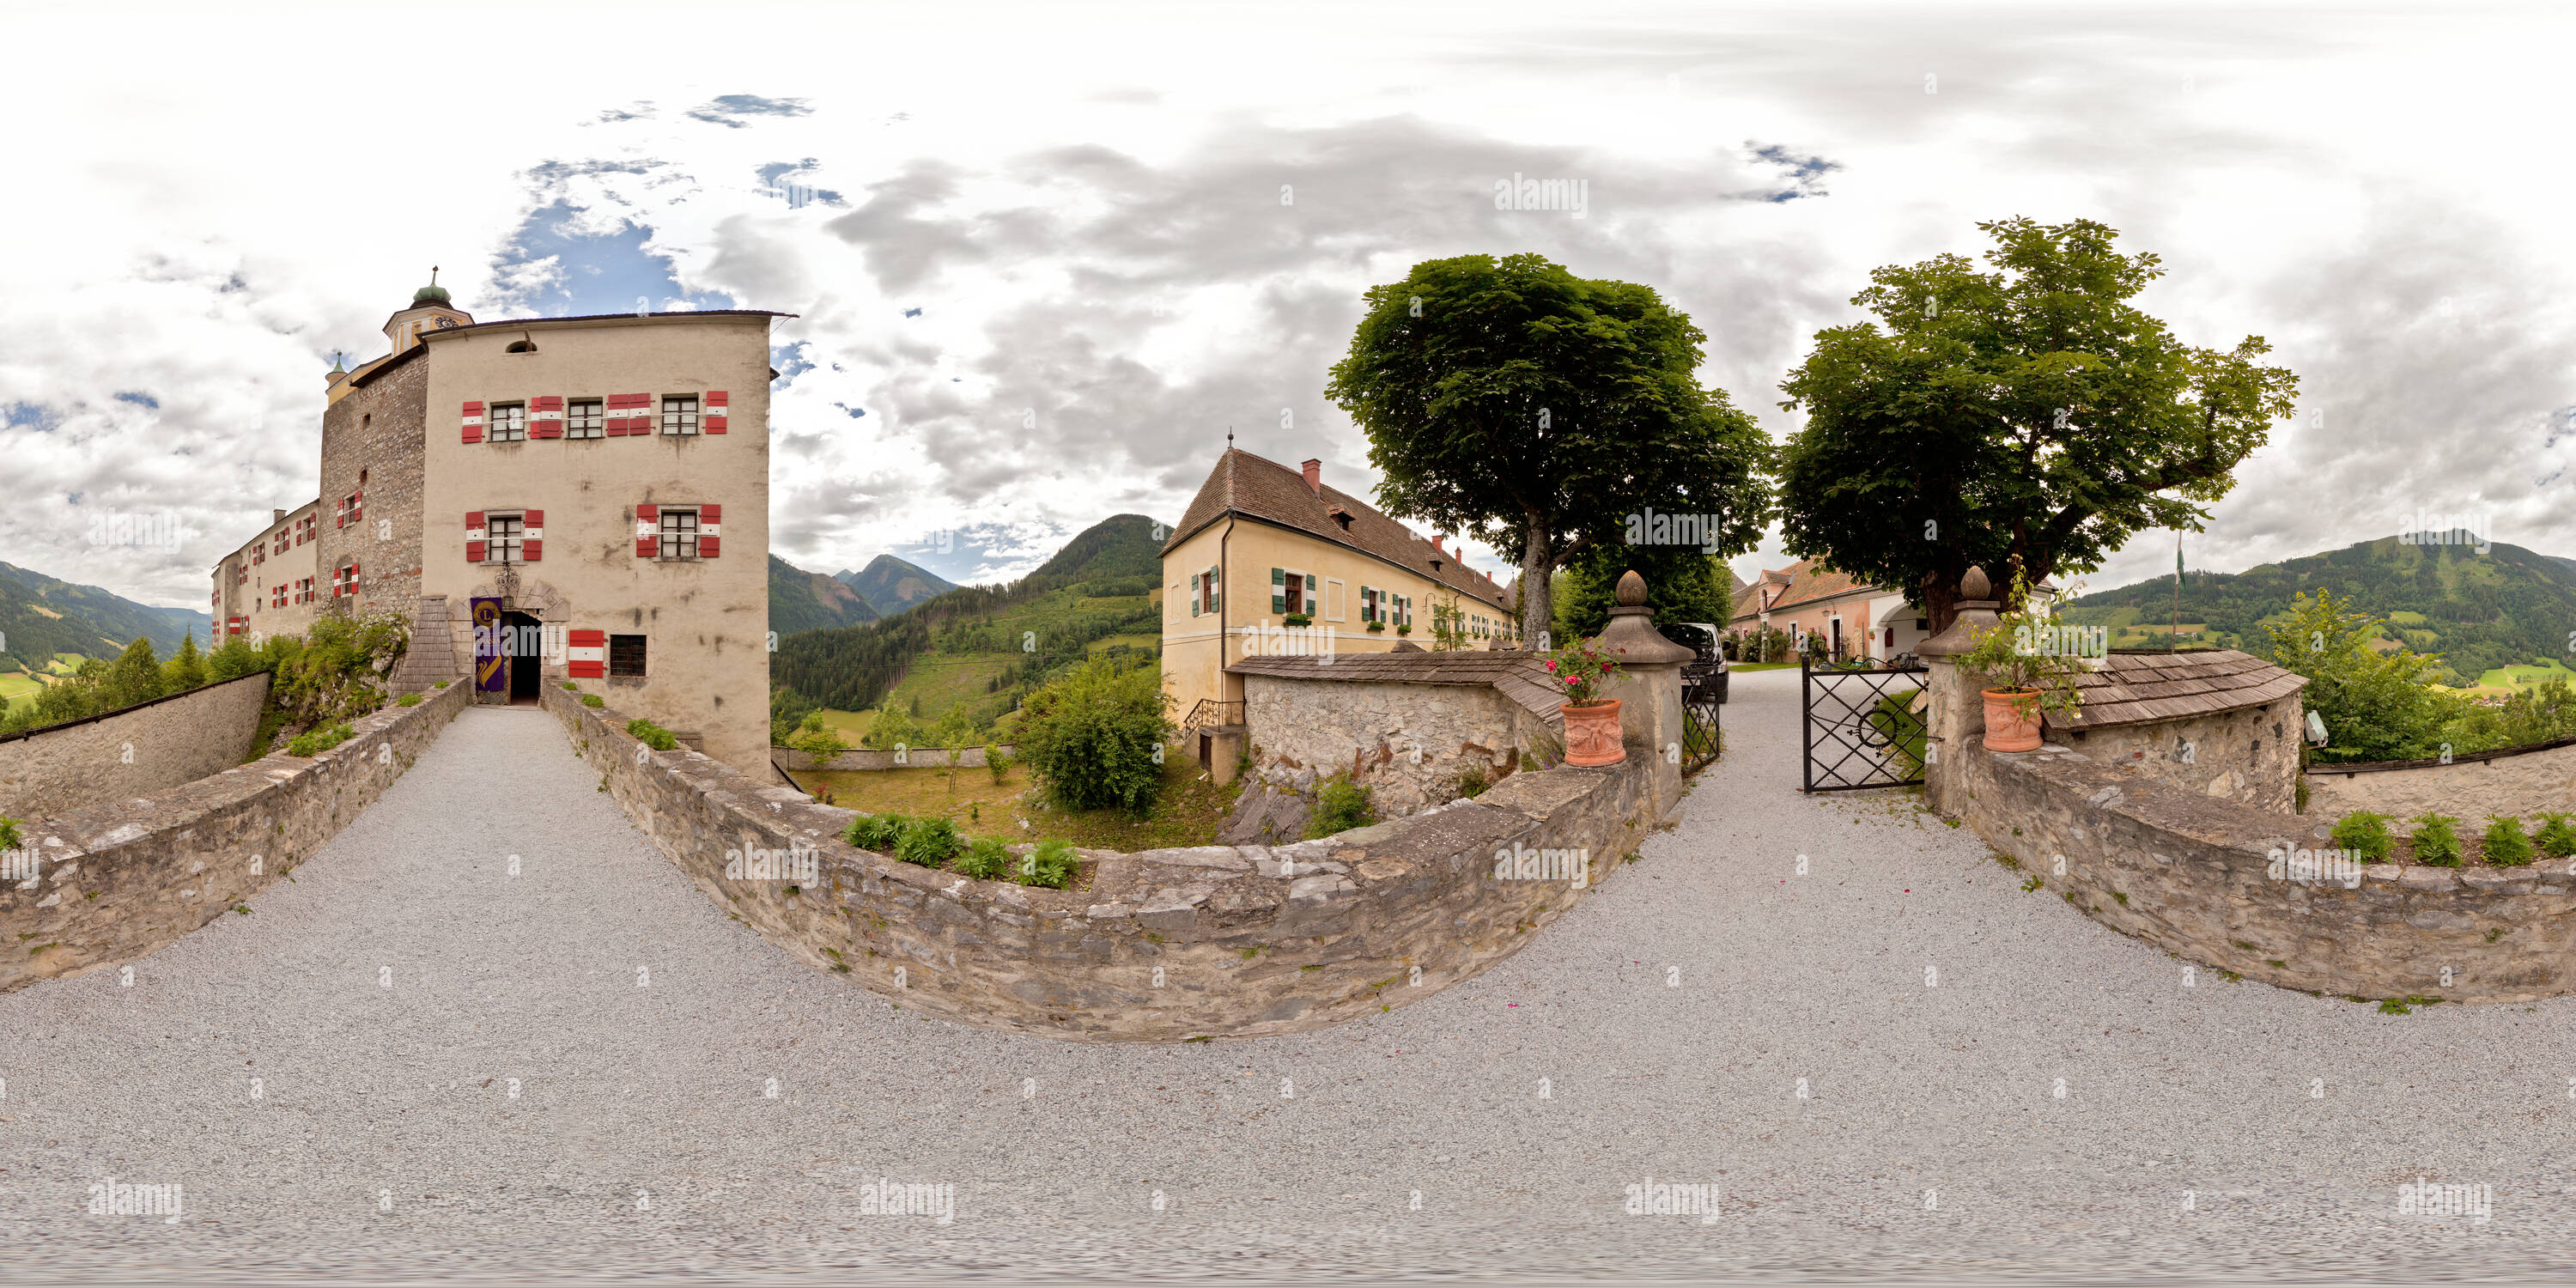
(2012, 725)
(1592, 734)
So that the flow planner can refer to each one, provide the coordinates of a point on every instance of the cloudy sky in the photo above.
(1043, 257)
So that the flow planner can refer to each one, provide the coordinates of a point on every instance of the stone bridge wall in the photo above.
(2196, 875)
(1165, 945)
(115, 883)
(2523, 781)
(1409, 743)
(134, 752)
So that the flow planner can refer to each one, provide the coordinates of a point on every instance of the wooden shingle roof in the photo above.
(2138, 688)
(1522, 677)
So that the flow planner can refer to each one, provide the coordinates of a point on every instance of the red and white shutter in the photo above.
(545, 417)
(711, 413)
(473, 422)
(710, 530)
(473, 538)
(627, 414)
(353, 579)
(648, 536)
(532, 536)
(588, 654)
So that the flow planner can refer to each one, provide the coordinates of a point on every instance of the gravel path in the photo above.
(1660, 1030)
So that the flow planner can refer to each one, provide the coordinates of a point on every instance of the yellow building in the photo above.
(1311, 570)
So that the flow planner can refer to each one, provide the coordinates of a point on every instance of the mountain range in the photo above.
(890, 585)
(41, 616)
(973, 644)
(2480, 612)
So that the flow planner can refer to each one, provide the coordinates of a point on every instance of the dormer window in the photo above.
(1342, 517)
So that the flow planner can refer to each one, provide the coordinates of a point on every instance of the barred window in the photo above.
(626, 655)
(507, 423)
(582, 418)
(679, 534)
(679, 415)
(501, 538)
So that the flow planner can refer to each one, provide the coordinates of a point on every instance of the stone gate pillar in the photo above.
(1957, 716)
(1649, 687)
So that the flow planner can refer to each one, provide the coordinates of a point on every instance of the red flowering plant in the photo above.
(1582, 669)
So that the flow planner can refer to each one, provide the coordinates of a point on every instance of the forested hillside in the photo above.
(41, 616)
(987, 644)
(2480, 612)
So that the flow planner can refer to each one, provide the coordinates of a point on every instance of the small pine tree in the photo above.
(187, 668)
(135, 676)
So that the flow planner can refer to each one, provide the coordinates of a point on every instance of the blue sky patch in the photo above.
(30, 415)
(139, 400)
(727, 108)
(791, 363)
(604, 274)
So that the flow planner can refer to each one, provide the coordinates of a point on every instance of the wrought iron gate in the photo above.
(1702, 704)
(1860, 727)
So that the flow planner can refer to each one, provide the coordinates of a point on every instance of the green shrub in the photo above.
(1095, 737)
(408, 700)
(816, 738)
(929, 842)
(2366, 835)
(314, 742)
(9, 838)
(985, 860)
(440, 685)
(998, 761)
(2376, 706)
(1051, 865)
(2557, 837)
(571, 687)
(593, 701)
(2506, 846)
(1340, 805)
(1473, 780)
(2437, 845)
(651, 735)
(874, 832)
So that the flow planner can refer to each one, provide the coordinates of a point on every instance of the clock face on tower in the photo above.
(445, 323)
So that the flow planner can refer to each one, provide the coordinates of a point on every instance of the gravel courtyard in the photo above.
(570, 1075)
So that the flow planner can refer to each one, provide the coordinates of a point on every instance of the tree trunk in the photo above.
(1941, 600)
(1537, 607)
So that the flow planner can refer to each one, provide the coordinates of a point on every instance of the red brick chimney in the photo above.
(1315, 477)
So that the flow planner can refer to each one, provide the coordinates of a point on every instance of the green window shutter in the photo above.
(1278, 590)
(1216, 592)
(1194, 594)
(1310, 594)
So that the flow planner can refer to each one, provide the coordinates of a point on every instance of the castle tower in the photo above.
(429, 310)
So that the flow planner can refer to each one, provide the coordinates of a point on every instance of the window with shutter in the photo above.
(679, 415)
(583, 417)
(545, 417)
(1278, 590)
(508, 423)
(502, 536)
(626, 655)
(586, 654)
(678, 533)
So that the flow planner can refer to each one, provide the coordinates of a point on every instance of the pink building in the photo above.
(1855, 618)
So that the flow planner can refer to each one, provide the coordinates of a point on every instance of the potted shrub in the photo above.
(1582, 669)
(1297, 619)
(1376, 627)
(2034, 678)
(1404, 629)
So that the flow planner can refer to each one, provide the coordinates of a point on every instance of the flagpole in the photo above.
(2173, 628)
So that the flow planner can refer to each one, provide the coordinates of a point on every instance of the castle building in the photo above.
(546, 499)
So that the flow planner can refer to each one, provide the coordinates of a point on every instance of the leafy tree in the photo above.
(2028, 416)
(1093, 737)
(2376, 706)
(1532, 409)
(894, 726)
(817, 739)
(1682, 585)
(231, 660)
(187, 668)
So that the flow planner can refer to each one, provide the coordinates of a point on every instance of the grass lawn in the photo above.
(18, 686)
(851, 725)
(1761, 666)
(2521, 676)
(1188, 813)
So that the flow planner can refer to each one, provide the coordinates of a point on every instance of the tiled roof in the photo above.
(2134, 688)
(1806, 584)
(1522, 677)
(1245, 484)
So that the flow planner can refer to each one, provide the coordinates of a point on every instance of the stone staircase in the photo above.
(432, 654)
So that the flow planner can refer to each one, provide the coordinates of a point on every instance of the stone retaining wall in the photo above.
(1165, 945)
(2194, 874)
(2522, 781)
(1408, 743)
(868, 759)
(115, 883)
(134, 752)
